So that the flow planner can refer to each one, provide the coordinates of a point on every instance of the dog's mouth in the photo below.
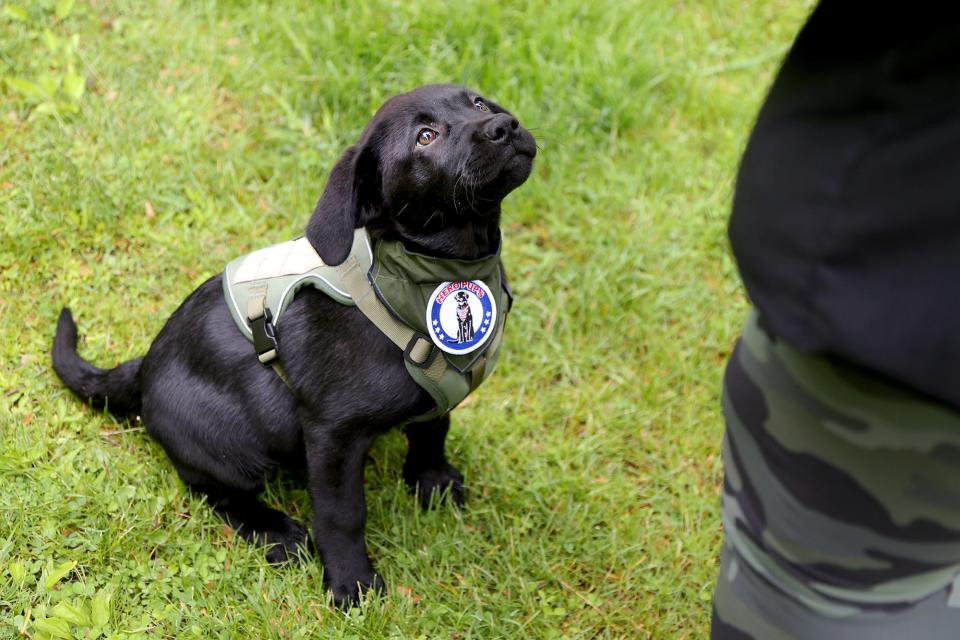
(504, 170)
(524, 144)
(515, 166)
(521, 156)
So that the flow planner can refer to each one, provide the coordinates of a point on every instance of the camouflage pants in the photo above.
(841, 503)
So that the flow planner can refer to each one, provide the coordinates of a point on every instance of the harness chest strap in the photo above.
(418, 349)
(415, 346)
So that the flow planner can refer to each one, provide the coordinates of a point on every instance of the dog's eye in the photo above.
(426, 136)
(479, 104)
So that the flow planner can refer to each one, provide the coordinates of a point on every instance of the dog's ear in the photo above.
(349, 201)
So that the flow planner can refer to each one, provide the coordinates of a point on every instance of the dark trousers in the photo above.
(841, 503)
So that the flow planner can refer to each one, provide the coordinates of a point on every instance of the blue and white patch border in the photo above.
(488, 322)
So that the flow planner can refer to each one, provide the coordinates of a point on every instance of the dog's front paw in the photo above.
(428, 483)
(347, 594)
(288, 543)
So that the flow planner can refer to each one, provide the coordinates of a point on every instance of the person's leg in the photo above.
(841, 503)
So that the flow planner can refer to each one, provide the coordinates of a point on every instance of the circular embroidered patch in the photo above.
(461, 316)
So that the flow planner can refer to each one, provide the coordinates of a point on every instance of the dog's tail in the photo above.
(117, 389)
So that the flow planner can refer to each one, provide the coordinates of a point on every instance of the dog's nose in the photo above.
(500, 128)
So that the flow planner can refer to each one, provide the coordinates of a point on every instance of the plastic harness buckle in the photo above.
(264, 338)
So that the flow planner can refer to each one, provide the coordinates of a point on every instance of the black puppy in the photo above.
(430, 169)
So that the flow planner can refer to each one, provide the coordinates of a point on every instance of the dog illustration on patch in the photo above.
(461, 316)
(464, 317)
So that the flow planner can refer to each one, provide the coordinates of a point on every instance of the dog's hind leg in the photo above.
(243, 510)
(213, 436)
(426, 469)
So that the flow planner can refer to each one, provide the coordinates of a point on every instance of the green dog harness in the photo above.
(446, 315)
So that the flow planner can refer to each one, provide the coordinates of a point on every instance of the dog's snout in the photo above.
(500, 128)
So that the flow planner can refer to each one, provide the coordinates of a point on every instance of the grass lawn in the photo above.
(144, 143)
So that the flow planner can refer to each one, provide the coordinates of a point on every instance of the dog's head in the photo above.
(430, 169)
(462, 297)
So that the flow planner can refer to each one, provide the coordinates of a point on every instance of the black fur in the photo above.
(119, 386)
(225, 420)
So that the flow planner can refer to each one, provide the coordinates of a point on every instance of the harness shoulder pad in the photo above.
(284, 269)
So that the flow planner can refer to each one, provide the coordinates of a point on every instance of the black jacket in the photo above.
(846, 216)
